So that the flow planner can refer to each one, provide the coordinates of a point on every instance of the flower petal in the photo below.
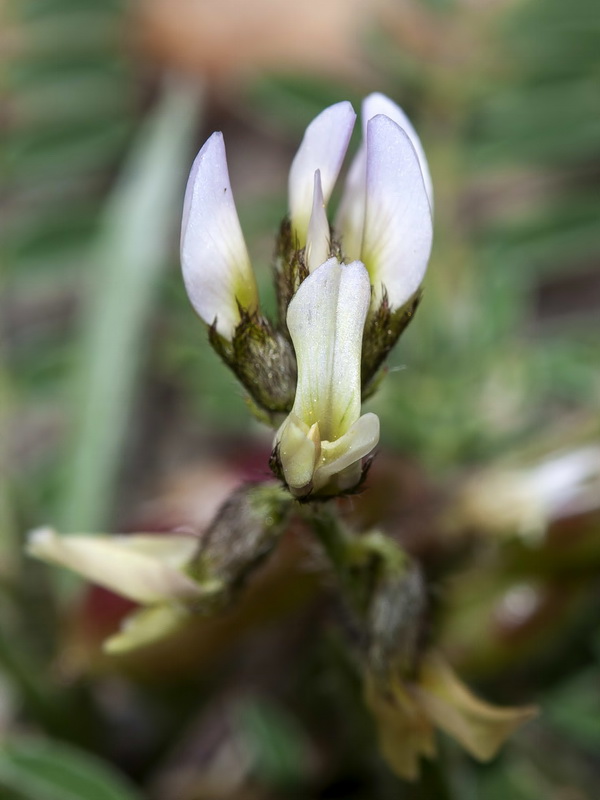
(216, 267)
(147, 569)
(398, 227)
(525, 500)
(404, 731)
(350, 218)
(318, 236)
(145, 626)
(323, 147)
(298, 453)
(349, 449)
(326, 318)
(378, 103)
(480, 727)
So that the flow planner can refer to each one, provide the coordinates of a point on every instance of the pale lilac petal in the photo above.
(378, 103)
(216, 267)
(318, 237)
(350, 218)
(323, 148)
(398, 226)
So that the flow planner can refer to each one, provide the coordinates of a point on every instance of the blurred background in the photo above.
(115, 414)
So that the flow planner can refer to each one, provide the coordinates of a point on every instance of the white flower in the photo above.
(147, 569)
(386, 227)
(527, 499)
(385, 215)
(323, 439)
(385, 221)
(216, 267)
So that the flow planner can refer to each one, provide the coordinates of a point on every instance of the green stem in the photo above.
(358, 560)
(337, 542)
(333, 536)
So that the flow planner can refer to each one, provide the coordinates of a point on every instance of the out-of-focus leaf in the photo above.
(512, 778)
(37, 769)
(524, 123)
(35, 9)
(49, 150)
(289, 101)
(574, 709)
(133, 248)
(277, 744)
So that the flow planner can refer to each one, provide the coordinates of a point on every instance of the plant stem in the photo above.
(359, 560)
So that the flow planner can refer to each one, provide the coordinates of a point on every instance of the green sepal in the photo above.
(263, 361)
(244, 532)
(383, 328)
(290, 270)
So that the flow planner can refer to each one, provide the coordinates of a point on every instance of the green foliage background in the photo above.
(104, 369)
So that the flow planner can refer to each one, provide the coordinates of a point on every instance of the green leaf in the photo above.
(39, 769)
(573, 709)
(132, 252)
(275, 740)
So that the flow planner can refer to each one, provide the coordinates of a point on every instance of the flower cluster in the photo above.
(345, 292)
